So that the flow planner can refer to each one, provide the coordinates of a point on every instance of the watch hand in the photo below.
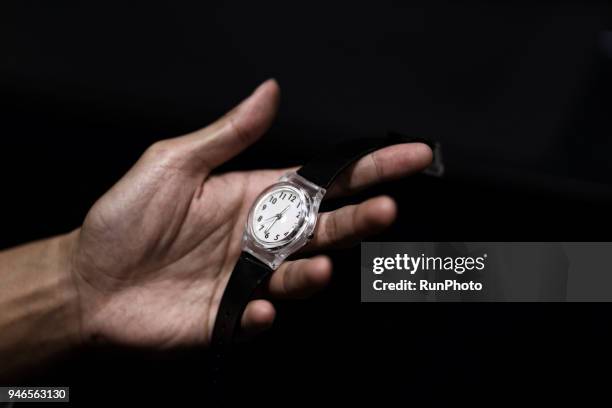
(277, 216)
(268, 229)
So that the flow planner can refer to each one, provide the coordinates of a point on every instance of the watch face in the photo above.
(278, 216)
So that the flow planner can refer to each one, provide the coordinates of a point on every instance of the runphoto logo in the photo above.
(411, 264)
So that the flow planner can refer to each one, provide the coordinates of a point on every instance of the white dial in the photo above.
(278, 215)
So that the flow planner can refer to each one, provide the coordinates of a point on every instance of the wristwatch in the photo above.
(282, 220)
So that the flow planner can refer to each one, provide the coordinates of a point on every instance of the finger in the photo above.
(234, 132)
(385, 164)
(301, 278)
(257, 317)
(352, 223)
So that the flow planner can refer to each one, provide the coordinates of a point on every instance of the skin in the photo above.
(150, 263)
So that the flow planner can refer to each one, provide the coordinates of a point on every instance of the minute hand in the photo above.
(270, 226)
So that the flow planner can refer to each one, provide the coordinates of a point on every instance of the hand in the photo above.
(154, 254)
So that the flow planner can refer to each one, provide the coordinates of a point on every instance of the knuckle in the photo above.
(285, 283)
(331, 228)
(158, 149)
(377, 165)
(164, 153)
(242, 134)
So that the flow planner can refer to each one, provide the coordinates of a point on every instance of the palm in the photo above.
(154, 253)
(182, 239)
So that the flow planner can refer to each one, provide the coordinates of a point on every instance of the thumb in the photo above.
(235, 131)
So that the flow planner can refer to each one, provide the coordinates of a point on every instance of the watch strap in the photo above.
(323, 169)
(247, 275)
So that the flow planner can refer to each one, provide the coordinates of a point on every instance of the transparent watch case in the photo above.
(273, 254)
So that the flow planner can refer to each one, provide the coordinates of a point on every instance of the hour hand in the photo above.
(277, 216)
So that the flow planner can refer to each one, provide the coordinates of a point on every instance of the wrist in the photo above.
(71, 299)
(40, 306)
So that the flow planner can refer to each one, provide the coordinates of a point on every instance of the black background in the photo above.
(518, 95)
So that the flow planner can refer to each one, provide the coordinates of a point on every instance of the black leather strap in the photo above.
(324, 168)
(247, 275)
